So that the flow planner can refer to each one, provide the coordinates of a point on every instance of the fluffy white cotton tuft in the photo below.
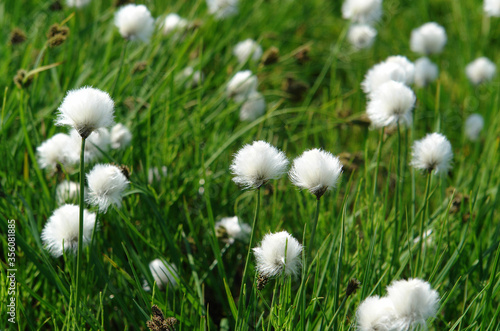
(316, 170)
(407, 65)
(231, 229)
(98, 141)
(134, 22)
(492, 8)
(362, 11)
(430, 38)
(241, 86)
(473, 126)
(120, 136)
(164, 274)
(257, 163)
(222, 8)
(174, 22)
(86, 110)
(361, 36)
(247, 49)
(278, 253)
(68, 191)
(53, 151)
(382, 73)
(253, 107)
(432, 153)
(425, 72)
(106, 185)
(77, 3)
(61, 230)
(391, 104)
(376, 313)
(480, 70)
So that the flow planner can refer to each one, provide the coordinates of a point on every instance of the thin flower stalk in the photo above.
(421, 252)
(81, 202)
(395, 251)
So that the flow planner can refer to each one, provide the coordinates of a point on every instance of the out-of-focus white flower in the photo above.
(231, 229)
(77, 3)
(190, 78)
(430, 38)
(155, 174)
(61, 230)
(361, 35)
(391, 104)
(134, 22)
(425, 72)
(278, 253)
(164, 274)
(86, 110)
(222, 8)
(414, 301)
(316, 170)
(382, 73)
(362, 11)
(407, 66)
(98, 141)
(376, 313)
(241, 86)
(106, 185)
(53, 151)
(480, 70)
(432, 153)
(68, 191)
(120, 136)
(247, 49)
(473, 126)
(492, 7)
(253, 107)
(174, 22)
(257, 163)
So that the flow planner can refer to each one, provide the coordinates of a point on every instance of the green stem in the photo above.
(313, 231)
(395, 243)
(80, 231)
(421, 255)
(122, 58)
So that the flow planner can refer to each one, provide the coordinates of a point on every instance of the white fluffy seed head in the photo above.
(255, 164)
(407, 65)
(376, 314)
(98, 141)
(247, 49)
(316, 170)
(174, 22)
(492, 8)
(382, 73)
(106, 185)
(241, 86)
(480, 70)
(134, 22)
(164, 274)
(68, 192)
(120, 136)
(432, 153)
(53, 151)
(86, 110)
(278, 253)
(361, 35)
(231, 229)
(253, 108)
(77, 3)
(473, 126)
(391, 104)
(362, 11)
(61, 230)
(222, 8)
(425, 72)
(414, 301)
(429, 38)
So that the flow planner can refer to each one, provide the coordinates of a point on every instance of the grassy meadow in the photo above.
(369, 227)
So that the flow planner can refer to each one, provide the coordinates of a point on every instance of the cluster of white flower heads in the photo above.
(231, 229)
(316, 170)
(425, 72)
(361, 36)
(120, 136)
(492, 8)
(278, 253)
(397, 68)
(164, 274)
(409, 303)
(473, 126)
(255, 164)
(432, 153)
(106, 186)
(52, 152)
(60, 233)
(222, 8)
(247, 49)
(362, 11)
(174, 23)
(134, 22)
(429, 38)
(480, 70)
(86, 110)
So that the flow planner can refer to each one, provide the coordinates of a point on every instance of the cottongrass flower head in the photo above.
(106, 185)
(316, 170)
(60, 233)
(382, 73)
(492, 8)
(134, 22)
(255, 164)
(480, 70)
(174, 22)
(473, 126)
(68, 191)
(425, 72)
(52, 152)
(414, 302)
(77, 3)
(278, 253)
(86, 109)
(253, 108)
(120, 136)
(429, 38)
(190, 78)
(376, 313)
(407, 65)
(391, 104)
(361, 36)
(96, 143)
(222, 8)
(362, 11)
(241, 86)
(432, 153)
(247, 49)
(164, 274)
(230, 229)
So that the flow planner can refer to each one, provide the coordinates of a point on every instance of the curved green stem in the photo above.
(313, 230)
(80, 232)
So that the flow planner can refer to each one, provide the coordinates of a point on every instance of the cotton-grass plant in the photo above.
(253, 108)
(78, 3)
(480, 70)
(426, 72)
(164, 274)
(361, 36)
(106, 186)
(241, 86)
(97, 143)
(362, 11)
(395, 68)
(491, 8)
(429, 38)
(222, 9)
(68, 191)
(247, 49)
(473, 126)
(231, 229)
(52, 152)
(120, 136)
(174, 23)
